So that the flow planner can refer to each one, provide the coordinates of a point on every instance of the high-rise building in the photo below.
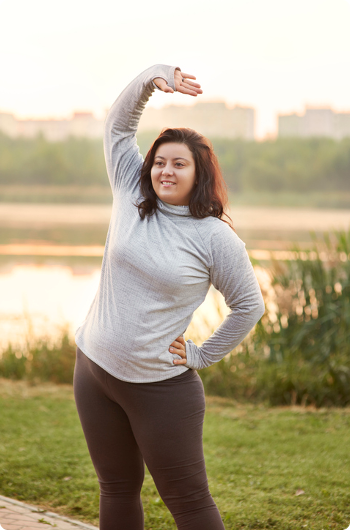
(290, 125)
(315, 122)
(213, 119)
(82, 124)
(318, 122)
(342, 125)
(8, 124)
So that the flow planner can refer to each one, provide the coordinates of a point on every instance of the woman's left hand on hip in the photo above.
(179, 348)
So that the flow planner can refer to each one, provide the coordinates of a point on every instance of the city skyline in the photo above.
(213, 119)
(276, 57)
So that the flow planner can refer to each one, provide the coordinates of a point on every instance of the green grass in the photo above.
(257, 458)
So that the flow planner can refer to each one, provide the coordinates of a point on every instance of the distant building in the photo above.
(213, 119)
(82, 124)
(8, 124)
(290, 125)
(315, 122)
(318, 122)
(52, 130)
(85, 124)
(342, 124)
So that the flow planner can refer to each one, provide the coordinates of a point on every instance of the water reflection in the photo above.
(39, 300)
(58, 248)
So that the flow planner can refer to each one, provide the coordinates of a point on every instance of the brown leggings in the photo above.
(127, 424)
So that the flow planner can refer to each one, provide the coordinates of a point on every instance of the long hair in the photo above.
(209, 195)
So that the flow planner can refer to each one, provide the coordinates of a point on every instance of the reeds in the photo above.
(299, 352)
(40, 360)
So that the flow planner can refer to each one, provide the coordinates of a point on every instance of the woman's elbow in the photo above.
(260, 310)
(257, 309)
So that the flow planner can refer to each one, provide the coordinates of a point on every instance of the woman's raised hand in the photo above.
(183, 84)
(179, 347)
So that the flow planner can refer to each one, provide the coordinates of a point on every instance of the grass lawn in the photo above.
(257, 460)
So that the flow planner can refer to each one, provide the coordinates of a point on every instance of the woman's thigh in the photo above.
(161, 421)
(167, 421)
(113, 449)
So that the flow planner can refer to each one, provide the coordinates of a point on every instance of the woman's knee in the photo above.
(125, 489)
(184, 485)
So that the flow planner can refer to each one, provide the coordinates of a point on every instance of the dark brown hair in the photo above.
(209, 195)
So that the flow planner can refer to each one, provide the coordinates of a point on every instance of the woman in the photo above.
(137, 391)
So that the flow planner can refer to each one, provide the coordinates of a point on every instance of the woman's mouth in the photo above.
(167, 183)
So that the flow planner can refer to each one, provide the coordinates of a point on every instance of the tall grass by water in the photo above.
(299, 353)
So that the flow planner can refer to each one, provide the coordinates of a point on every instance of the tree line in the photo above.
(285, 164)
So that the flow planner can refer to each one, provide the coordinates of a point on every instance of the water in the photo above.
(42, 300)
(39, 300)
(50, 258)
(244, 217)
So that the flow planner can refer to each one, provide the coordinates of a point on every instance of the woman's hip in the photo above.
(185, 390)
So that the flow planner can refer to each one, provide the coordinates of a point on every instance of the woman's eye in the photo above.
(179, 164)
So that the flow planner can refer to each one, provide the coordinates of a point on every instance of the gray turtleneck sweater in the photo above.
(157, 271)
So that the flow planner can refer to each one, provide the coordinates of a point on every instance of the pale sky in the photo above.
(274, 55)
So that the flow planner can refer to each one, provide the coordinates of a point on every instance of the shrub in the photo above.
(40, 361)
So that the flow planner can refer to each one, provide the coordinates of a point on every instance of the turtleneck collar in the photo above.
(172, 208)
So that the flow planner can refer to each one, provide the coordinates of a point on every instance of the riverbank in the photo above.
(98, 194)
(33, 229)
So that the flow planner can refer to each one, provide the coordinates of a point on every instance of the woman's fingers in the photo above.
(191, 83)
(190, 76)
(185, 88)
(188, 87)
(179, 350)
(183, 359)
(180, 361)
(178, 347)
(184, 84)
(179, 343)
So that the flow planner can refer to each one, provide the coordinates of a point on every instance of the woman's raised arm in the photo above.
(123, 159)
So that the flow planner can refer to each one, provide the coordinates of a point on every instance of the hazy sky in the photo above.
(274, 55)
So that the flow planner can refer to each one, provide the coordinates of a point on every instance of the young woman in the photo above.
(138, 395)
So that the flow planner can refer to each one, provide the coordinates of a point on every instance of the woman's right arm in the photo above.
(123, 159)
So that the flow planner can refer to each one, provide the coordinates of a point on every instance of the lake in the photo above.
(50, 258)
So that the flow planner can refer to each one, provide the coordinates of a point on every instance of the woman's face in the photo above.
(173, 173)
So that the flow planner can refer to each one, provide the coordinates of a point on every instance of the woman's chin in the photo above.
(167, 197)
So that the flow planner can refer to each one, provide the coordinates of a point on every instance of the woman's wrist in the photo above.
(192, 355)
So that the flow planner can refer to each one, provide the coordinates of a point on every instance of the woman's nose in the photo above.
(167, 171)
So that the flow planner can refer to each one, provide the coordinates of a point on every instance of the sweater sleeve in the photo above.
(232, 274)
(123, 159)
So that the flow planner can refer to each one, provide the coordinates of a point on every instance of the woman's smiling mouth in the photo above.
(167, 183)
